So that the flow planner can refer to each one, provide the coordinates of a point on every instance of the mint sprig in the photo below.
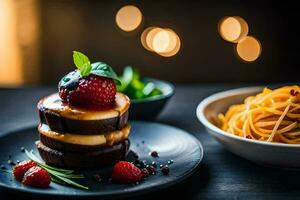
(85, 67)
(58, 175)
(82, 63)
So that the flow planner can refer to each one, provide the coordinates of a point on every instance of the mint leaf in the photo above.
(82, 62)
(103, 69)
(85, 69)
(80, 59)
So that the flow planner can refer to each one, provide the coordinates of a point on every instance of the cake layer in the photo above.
(76, 142)
(85, 160)
(64, 118)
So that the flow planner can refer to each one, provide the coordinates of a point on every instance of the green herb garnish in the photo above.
(86, 68)
(103, 69)
(82, 62)
(58, 175)
(135, 87)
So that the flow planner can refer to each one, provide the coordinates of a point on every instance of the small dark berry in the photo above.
(170, 162)
(143, 164)
(10, 162)
(154, 164)
(145, 172)
(143, 141)
(22, 149)
(151, 170)
(3, 167)
(18, 161)
(97, 177)
(161, 166)
(165, 170)
(135, 155)
(154, 153)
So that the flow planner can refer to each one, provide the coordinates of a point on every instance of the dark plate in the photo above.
(169, 142)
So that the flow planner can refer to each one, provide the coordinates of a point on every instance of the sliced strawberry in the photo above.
(37, 177)
(20, 169)
(125, 172)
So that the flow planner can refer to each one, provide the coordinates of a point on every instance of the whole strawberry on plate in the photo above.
(126, 172)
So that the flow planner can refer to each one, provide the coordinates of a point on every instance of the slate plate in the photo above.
(169, 142)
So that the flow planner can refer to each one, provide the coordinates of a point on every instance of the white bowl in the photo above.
(271, 154)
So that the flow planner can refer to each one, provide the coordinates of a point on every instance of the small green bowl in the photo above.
(149, 108)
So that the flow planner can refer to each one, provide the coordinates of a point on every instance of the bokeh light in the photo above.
(248, 49)
(233, 29)
(174, 45)
(163, 41)
(144, 36)
(150, 36)
(128, 18)
(10, 58)
(174, 39)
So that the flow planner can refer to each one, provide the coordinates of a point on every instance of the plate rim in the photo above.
(157, 187)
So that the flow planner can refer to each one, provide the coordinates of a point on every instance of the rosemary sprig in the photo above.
(41, 163)
(58, 175)
(58, 181)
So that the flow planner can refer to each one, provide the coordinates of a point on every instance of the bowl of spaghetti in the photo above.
(257, 123)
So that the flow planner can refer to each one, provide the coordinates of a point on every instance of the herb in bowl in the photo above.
(134, 87)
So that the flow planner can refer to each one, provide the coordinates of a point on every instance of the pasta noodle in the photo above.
(271, 116)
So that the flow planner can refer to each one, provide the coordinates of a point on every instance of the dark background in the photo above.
(46, 32)
(89, 26)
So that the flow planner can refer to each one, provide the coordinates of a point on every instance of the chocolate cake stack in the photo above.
(72, 137)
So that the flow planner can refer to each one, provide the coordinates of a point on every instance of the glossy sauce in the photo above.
(54, 103)
(109, 138)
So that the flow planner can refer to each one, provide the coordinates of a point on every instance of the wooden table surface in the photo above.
(222, 175)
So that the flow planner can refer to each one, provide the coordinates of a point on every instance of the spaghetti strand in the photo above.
(271, 116)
